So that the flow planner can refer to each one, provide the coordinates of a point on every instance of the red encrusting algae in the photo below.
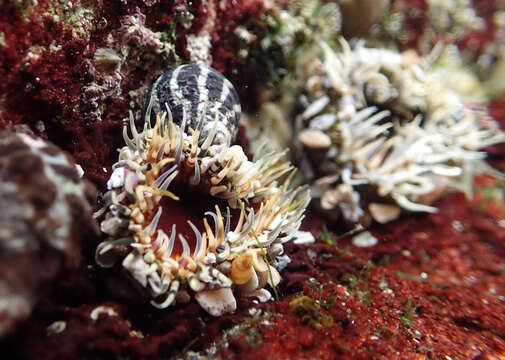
(418, 31)
(44, 70)
(432, 287)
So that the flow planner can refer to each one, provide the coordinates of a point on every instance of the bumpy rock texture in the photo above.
(432, 287)
(44, 211)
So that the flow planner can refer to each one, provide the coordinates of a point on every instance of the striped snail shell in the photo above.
(202, 95)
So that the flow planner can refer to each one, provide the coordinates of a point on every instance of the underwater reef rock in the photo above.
(358, 15)
(474, 27)
(45, 211)
(420, 24)
(431, 287)
(71, 71)
(450, 266)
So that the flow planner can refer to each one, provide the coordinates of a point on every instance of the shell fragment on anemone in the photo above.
(237, 207)
(377, 126)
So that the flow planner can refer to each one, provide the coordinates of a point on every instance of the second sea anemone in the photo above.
(379, 134)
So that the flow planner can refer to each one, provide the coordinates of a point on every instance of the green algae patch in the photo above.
(310, 312)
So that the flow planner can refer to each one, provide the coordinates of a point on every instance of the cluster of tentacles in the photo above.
(380, 134)
(245, 243)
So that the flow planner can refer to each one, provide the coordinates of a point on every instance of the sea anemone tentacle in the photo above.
(172, 159)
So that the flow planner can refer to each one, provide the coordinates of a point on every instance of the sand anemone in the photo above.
(378, 133)
(187, 215)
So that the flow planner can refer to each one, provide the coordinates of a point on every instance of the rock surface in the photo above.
(45, 209)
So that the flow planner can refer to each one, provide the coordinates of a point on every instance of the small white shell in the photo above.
(56, 327)
(263, 295)
(276, 277)
(217, 302)
(109, 311)
(303, 238)
(383, 213)
(314, 139)
(364, 239)
(116, 179)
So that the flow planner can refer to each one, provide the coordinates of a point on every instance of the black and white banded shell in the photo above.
(201, 94)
